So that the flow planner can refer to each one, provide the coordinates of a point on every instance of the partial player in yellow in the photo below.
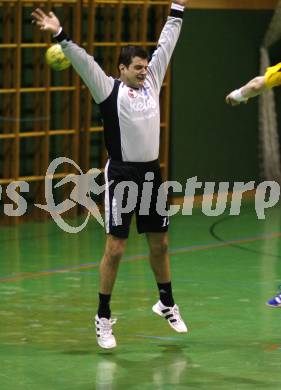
(56, 59)
(256, 86)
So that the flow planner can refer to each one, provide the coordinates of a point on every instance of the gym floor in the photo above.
(224, 270)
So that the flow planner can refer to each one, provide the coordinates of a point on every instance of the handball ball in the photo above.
(56, 58)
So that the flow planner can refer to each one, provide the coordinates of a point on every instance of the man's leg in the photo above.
(158, 256)
(115, 173)
(160, 264)
(114, 249)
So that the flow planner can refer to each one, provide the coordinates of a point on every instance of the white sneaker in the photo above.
(172, 315)
(105, 337)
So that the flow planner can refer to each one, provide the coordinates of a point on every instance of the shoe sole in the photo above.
(103, 347)
(161, 315)
(274, 306)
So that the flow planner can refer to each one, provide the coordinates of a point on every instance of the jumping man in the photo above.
(131, 116)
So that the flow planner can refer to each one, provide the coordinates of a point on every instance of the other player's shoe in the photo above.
(275, 301)
(172, 315)
(105, 337)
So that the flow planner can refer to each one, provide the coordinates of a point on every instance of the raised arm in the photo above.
(253, 88)
(161, 57)
(256, 86)
(99, 84)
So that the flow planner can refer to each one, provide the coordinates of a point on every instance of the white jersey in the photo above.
(131, 116)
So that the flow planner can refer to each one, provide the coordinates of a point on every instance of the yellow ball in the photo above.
(56, 58)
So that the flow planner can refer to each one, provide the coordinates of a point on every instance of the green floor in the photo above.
(224, 270)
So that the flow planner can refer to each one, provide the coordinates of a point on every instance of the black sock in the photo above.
(104, 309)
(166, 295)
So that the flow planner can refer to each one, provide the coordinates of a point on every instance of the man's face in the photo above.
(135, 74)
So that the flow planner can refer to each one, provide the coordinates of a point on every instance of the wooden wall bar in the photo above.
(51, 114)
(194, 4)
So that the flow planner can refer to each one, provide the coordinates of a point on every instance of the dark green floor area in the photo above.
(224, 270)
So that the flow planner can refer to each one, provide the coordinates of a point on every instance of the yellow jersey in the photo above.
(273, 76)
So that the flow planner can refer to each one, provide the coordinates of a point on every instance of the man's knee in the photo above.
(159, 247)
(115, 249)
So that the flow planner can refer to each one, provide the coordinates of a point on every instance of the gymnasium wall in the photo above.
(217, 52)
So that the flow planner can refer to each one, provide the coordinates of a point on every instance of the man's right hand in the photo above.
(46, 22)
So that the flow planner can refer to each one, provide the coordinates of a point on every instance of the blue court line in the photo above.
(140, 256)
(258, 237)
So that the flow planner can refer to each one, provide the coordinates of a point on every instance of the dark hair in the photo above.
(129, 52)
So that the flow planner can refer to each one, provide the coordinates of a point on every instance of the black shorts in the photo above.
(134, 188)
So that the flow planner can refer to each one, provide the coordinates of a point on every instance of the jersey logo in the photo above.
(132, 93)
(143, 104)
